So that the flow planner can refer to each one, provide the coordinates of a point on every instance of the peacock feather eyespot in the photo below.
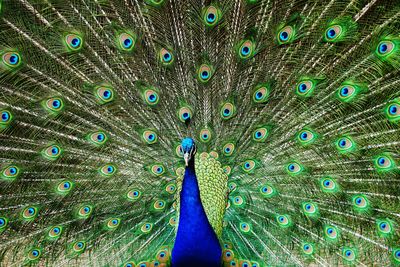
(360, 203)
(396, 255)
(328, 185)
(232, 186)
(349, 254)
(52, 152)
(244, 263)
(163, 255)
(246, 49)
(55, 232)
(108, 170)
(98, 138)
(333, 33)
(227, 170)
(348, 91)
(228, 110)
(228, 149)
(150, 137)
(185, 114)
(65, 187)
(79, 246)
(305, 88)
(245, 227)
(144, 264)
(73, 42)
(34, 254)
(6, 118)
(151, 96)
(11, 60)
(385, 227)
(385, 48)
(204, 73)
(234, 262)
(3, 223)
(227, 255)
(306, 137)
(133, 195)
(146, 228)
(307, 248)
(238, 201)
(172, 221)
(294, 168)
(112, 223)
(10, 172)
(170, 188)
(255, 264)
(286, 35)
(157, 169)
(384, 162)
(29, 213)
(331, 232)
(267, 191)
(166, 57)
(179, 150)
(248, 165)
(345, 144)
(129, 264)
(85, 211)
(310, 209)
(159, 205)
(205, 135)
(392, 110)
(283, 221)
(104, 94)
(261, 93)
(126, 41)
(211, 16)
(260, 134)
(53, 105)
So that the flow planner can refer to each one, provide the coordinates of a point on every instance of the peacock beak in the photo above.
(186, 156)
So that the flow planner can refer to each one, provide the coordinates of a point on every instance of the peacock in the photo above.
(243, 133)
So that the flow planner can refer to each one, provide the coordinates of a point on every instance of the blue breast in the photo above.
(196, 243)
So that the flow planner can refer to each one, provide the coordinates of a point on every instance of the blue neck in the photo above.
(196, 243)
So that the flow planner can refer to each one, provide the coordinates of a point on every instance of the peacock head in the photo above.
(189, 149)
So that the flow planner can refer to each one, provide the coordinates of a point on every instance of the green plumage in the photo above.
(294, 106)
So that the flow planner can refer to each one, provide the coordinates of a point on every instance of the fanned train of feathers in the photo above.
(298, 100)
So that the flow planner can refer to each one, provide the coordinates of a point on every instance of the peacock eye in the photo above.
(306, 137)
(260, 134)
(384, 163)
(166, 57)
(205, 135)
(308, 249)
(248, 166)
(245, 227)
(64, 187)
(348, 254)
(29, 213)
(79, 246)
(146, 227)
(157, 169)
(6, 117)
(11, 59)
(396, 255)
(305, 88)
(294, 168)
(331, 232)
(53, 105)
(97, 138)
(283, 220)
(113, 223)
(185, 113)
(211, 16)
(104, 94)
(360, 203)
(126, 41)
(34, 254)
(108, 170)
(333, 32)
(3, 223)
(73, 42)
(133, 195)
(392, 110)
(260, 94)
(85, 211)
(286, 35)
(149, 137)
(385, 48)
(228, 110)
(10, 172)
(52, 152)
(246, 49)
(204, 73)
(228, 149)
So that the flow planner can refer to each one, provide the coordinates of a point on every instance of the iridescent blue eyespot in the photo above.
(211, 17)
(284, 36)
